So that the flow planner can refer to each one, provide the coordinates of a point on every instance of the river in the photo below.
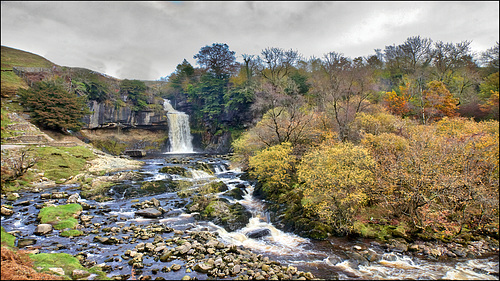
(325, 259)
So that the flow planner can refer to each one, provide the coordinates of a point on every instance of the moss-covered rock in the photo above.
(62, 216)
(235, 193)
(205, 167)
(230, 216)
(67, 262)
(174, 170)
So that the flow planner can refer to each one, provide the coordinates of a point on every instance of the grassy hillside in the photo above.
(14, 57)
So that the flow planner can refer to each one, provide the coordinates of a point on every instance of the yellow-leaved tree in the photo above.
(336, 181)
(274, 168)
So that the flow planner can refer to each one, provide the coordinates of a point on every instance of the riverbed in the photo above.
(334, 258)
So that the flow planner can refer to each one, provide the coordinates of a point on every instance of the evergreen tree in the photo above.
(51, 106)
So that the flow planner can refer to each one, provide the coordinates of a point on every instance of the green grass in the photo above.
(63, 162)
(61, 216)
(10, 83)
(71, 232)
(65, 261)
(8, 239)
(14, 57)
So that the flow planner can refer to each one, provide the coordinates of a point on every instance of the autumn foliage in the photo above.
(336, 182)
(18, 266)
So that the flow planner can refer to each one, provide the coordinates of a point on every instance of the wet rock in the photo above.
(57, 270)
(79, 273)
(203, 267)
(23, 203)
(25, 242)
(258, 233)
(175, 267)
(155, 202)
(74, 198)
(43, 229)
(59, 195)
(184, 248)
(108, 241)
(45, 196)
(370, 255)
(86, 206)
(235, 193)
(149, 213)
(398, 245)
(356, 257)
(6, 211)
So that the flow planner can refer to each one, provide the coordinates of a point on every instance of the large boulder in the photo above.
(258, 233)
(149, 213)
(43, 229)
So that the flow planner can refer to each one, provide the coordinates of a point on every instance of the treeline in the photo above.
(403, 139)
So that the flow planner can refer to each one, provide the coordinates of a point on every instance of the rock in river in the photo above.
(258, 233)
(43, 229)
(149, 213)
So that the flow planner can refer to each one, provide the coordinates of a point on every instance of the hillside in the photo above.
(13, 57)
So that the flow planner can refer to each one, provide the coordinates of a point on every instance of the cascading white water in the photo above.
(179, 131)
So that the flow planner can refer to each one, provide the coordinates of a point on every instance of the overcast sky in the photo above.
(147, 40)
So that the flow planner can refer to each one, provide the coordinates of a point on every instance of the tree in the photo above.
(16, 165)
(135, 90)
(491, 58)
(448, 58)
(277, 64)
(336, 181)
(97, 91)
(438, 101)
(398, 104)
(274, 167)
(343, 88)
(441, 176)
(217, 58)
(51, 106)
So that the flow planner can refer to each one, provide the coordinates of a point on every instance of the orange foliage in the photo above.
(438, 101)
(491, 106)
(398, 104)
(18, 266)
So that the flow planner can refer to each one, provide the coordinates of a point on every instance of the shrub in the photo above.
(336, 181)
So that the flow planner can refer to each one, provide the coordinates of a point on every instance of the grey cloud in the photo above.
(146, 40)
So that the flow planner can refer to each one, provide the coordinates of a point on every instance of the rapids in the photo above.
(326, 259)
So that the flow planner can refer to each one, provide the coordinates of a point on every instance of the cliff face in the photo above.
(106, 116)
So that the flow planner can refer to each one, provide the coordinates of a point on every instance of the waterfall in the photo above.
(179, 131)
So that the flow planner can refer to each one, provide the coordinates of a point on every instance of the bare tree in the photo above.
(343, 87)
(277, 64)
(448, 58)
(17, 164)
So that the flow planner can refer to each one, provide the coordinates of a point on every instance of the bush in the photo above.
(51, 106)
(274, 167)
(61, 216)
(336, 181)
